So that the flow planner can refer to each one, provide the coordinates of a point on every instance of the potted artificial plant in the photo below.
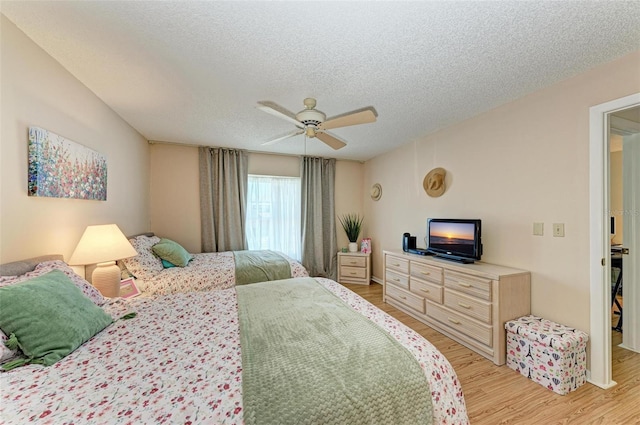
(352, 225)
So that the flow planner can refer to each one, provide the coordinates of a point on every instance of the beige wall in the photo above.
(37, 91)
(349, 197)
(615, 191)
(524, 162)
(175, 198)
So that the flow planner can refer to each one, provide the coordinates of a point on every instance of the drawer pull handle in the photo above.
(463, 305)
(353, 273)
(464, 285)
(404, 298)
(396, 264)
(426, 291)
(454, 321)
(425, 273)
(396, 280)
(352, 262)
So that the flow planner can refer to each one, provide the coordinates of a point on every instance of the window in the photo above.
(273, 214)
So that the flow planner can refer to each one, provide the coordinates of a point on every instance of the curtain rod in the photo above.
(191, 145)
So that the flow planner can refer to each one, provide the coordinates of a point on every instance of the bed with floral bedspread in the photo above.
(206, 271)
(180, 361)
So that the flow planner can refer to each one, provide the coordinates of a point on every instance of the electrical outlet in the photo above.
(558, 230)
(538, 229)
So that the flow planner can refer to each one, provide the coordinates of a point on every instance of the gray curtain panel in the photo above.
(319, 243)
(223, 199)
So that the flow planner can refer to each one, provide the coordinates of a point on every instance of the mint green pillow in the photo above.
(48, 317)
(172, 252)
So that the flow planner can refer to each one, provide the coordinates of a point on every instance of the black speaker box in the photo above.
(408, 242)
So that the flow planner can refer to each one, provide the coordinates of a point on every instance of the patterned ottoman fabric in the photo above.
(548, 353)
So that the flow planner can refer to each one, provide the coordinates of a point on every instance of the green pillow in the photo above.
(172, 252)
(48, 317)
(167, 265)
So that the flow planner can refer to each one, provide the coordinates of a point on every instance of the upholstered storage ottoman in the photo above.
(548, 353)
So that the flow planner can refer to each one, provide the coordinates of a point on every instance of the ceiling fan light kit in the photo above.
(314, 123)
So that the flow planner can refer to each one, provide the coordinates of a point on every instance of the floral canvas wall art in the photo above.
(61, 168)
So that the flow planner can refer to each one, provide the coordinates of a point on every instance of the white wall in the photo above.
(524, 162)
(37, 91)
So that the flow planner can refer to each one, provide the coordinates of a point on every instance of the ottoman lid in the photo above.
(546, 332)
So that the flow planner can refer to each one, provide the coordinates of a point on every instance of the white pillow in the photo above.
(5, 353)
(146, 264)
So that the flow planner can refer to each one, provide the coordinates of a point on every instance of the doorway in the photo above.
(624, 195)
(600, 250)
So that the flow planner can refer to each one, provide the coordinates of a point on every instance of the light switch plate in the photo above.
(538, 229)
(558, 230)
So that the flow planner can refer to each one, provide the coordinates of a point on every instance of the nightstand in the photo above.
(354, 267)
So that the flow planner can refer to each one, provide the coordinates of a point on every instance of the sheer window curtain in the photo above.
(223, 198)
(273, 214)
(319, 243)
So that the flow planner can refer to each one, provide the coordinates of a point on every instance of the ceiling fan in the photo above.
(314, 123)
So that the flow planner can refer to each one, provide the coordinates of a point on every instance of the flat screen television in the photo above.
(455, 239)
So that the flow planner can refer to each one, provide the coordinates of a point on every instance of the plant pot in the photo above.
(353, 247)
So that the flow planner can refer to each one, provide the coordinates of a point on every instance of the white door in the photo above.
(631, 241)
(599, 236)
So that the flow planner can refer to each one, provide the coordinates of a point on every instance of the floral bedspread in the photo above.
(207, 271)
(179, 362)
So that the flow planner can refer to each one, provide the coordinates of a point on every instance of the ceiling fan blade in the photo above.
(362, 116)
(286, 136)
(330, 140)
(280, 112)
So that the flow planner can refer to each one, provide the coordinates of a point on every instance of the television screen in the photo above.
(457, 239)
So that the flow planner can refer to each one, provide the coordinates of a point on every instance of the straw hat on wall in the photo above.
(433, 182)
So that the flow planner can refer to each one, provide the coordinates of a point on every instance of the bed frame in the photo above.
(21, 267)
(16, 268)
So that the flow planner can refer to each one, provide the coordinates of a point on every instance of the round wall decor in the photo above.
(376, 192)
(433, 182)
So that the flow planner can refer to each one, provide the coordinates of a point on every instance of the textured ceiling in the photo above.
(193, 72)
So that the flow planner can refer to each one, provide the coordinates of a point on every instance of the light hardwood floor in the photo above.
(499, 395)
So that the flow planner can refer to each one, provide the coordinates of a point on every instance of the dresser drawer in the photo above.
(358, 272)
(472, 285)
(426, 272)
(354, 261)
(397, 279)
(469, 306)
(477, 331)
(398, 264)
(427, 290)
(406, 298)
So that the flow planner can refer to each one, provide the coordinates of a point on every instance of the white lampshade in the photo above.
(101, 243)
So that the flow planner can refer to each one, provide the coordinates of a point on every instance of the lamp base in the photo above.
(106, 277)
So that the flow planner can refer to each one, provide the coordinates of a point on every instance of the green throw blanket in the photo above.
(260, 266)
(308, 358)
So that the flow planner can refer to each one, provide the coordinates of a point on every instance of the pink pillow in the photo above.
(45, 267)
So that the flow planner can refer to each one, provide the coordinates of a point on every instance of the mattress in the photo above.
(179, 361)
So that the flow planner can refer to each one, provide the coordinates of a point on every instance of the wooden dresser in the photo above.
(469, 303)
(354, 267)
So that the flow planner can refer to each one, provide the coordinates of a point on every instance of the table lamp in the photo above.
(103, 245)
